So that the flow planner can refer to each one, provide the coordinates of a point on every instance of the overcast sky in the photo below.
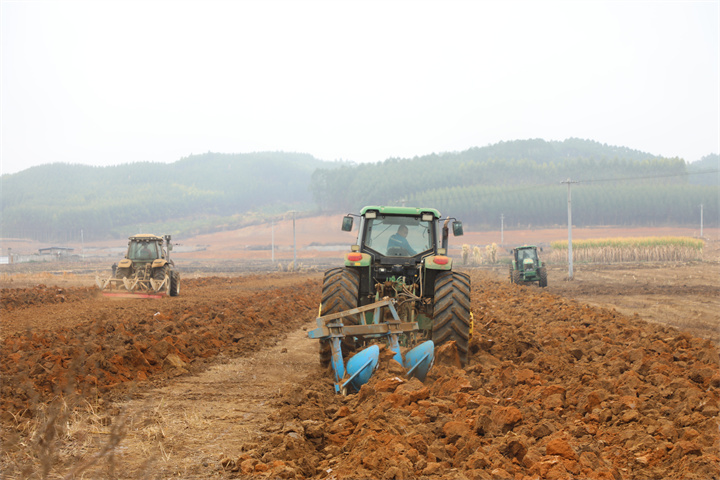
(107, 82)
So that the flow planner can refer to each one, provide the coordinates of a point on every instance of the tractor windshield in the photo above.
(398, 236)
(527, 253)
(143, 251)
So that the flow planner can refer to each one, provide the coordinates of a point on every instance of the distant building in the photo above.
(56, 251)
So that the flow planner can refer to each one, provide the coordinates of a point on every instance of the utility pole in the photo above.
(570, 252)
(502, 224)
(272, 241)
(701, 220)
(294, 245)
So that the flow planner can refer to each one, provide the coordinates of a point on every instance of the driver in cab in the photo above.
(399, 240)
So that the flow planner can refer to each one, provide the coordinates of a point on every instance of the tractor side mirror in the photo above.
(457, 228)
(347, 223)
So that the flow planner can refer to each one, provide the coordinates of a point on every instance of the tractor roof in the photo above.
(408, 211)
(526, 247)
(146, 237)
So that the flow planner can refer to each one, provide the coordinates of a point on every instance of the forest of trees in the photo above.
(58, 201)
(520, 180)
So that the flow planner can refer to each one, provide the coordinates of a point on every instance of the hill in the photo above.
(519, 181)
(58, 201)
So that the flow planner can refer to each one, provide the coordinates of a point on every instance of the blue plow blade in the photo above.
(419, 360)
(360, 367)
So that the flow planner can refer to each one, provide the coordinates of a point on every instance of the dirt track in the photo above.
(221, 382)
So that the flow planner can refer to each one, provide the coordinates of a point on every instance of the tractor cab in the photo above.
(397, 236)
(398, 242)
(145, 249)
(527, 257)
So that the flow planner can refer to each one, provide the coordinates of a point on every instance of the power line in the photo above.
(667, 175)
(531, 187)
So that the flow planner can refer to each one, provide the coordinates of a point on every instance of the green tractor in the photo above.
(400, 256)
(526, 266)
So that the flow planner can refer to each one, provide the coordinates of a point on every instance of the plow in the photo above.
(146, 271)
(397, 287)
(417, 362)
(140, 285)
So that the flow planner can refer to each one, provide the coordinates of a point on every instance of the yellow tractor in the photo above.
(146, 271)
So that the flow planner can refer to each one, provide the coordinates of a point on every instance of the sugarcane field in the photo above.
(611, 374)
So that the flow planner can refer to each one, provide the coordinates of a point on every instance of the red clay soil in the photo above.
(554, 389)
(13, 299)
(103, 343)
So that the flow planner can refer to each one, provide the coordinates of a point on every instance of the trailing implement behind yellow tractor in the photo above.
(146, 271)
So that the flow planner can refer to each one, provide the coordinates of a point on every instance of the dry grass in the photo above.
(72, 438)
(30, 279)
(640, 249)
(56, 441)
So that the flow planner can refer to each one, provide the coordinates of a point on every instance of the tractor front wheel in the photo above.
(340, 292)
(451, 311)
(542, 273)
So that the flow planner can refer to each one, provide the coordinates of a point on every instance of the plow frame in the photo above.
(142, 285)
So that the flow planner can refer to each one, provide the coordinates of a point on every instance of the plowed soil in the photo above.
(615, 375)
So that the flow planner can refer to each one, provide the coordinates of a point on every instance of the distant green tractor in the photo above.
(400, 255)
(526, 266)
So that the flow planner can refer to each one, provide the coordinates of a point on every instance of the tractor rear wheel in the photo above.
(451, 311)
(340, 292)
(542, 273)
(122, 273)
(161, 273)
(174, 284)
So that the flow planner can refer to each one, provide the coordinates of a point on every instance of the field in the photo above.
(615, 374)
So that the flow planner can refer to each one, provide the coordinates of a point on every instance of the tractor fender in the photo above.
(124, 263)
(357, 259)
(438, 262)
(160, 262)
